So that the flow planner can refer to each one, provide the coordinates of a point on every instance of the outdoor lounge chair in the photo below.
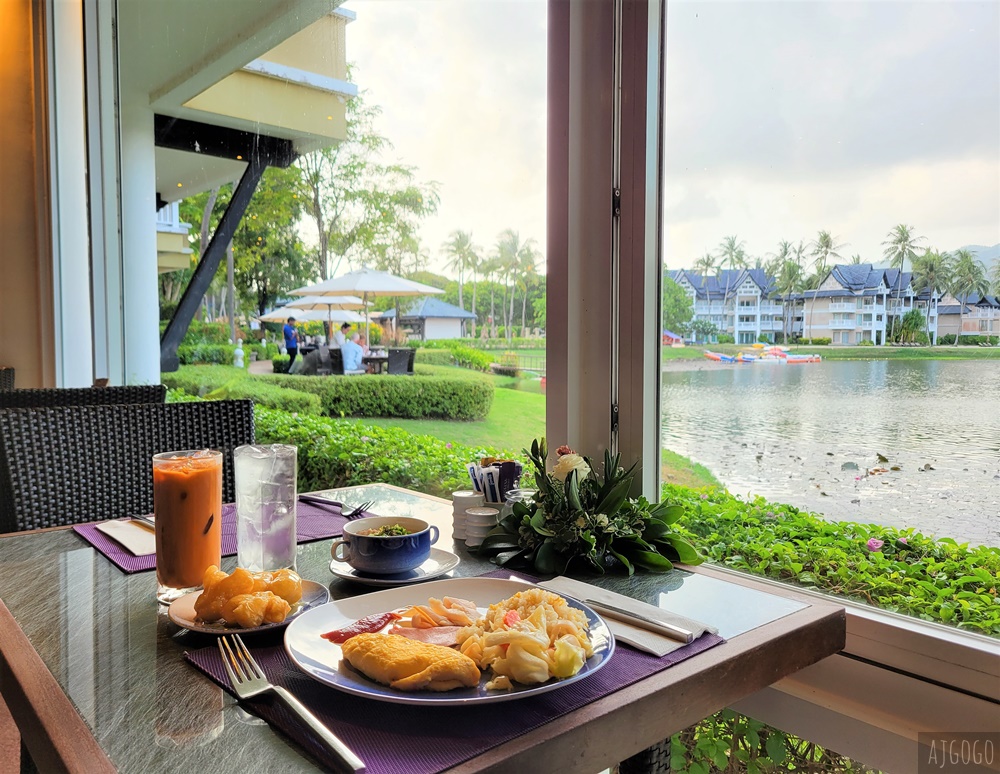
(71, 465)
(82, 396)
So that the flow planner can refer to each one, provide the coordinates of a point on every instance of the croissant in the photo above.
(408, 665)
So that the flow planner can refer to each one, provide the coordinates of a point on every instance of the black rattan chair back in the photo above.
(6, 378)
(50, 397)
(409, 362)
(71, 465)
(397, 361)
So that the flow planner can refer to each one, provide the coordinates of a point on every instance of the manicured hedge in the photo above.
(973, 341)
(280, 363)
(893, 569)
(269, 395)
(335, 452)
(410, 397)
(820, 342)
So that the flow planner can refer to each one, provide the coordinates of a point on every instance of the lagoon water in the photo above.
(791, 434)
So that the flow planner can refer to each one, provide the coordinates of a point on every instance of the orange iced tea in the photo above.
(187, 503)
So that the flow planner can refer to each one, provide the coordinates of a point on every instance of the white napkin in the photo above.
(651, 642)
(134, 537)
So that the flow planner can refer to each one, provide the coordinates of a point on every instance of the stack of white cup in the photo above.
(462, 501)
(478, 524)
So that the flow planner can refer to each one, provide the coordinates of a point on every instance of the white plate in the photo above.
(181, 612)
(323, 660)
(437, 564)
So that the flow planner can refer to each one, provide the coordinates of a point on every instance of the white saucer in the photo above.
(439, 562)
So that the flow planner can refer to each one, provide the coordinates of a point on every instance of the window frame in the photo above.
(910, 659)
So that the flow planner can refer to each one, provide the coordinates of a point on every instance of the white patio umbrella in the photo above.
(309, 315)
(329, 303)
(368, 283)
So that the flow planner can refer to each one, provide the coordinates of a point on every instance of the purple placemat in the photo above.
(415, 739)
(313, 522)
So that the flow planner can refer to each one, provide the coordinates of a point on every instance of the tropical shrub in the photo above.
(280, 363)
(203, 379)
(505, 365)
(819, 342)
(336, 452)
(410, 397)
(221, 354)
(866, 343)
(725, 338)
(967, 340)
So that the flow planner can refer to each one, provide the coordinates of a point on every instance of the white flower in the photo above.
(568, 463)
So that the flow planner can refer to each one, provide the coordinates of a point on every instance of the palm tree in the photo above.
(995, 275)
(899, 247)
(931, 273)
(527, 265)
(788, 283)
(824, 247)
(730, 254)
(705, 265)
(462, 252)
(968, 278)
(856, 259)
(509, 246)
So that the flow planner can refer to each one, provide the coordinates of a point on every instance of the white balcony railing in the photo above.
(841, 325)
(841, 306)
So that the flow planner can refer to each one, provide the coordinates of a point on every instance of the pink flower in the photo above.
(447, 445)
(874, 544)
(903, 541)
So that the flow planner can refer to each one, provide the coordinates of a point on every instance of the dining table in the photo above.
(95, 675)
(378, 362)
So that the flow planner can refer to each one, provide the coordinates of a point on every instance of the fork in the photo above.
(248, 679)
(356, 513)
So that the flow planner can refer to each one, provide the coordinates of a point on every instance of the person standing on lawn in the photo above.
(291, 340)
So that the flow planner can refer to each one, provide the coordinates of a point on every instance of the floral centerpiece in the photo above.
(577, 516)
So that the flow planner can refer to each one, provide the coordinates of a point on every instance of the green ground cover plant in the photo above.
(269, 395)
(440, 357)
(900, 570)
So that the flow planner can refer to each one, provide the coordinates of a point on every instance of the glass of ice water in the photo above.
(265, 506)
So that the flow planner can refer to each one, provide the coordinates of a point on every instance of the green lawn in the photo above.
(516, 419)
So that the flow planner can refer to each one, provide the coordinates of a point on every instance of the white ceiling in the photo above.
(171, 51)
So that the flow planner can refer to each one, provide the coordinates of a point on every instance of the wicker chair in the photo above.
(6, 378)
(398, 359)
(82, 396)
(62, 466)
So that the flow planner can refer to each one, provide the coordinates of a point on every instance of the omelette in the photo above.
(408, 665)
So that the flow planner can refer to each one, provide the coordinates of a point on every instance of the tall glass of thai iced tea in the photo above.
(187, 504)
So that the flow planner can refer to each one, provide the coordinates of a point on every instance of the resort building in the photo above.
(858, 303)
(430, 318)
(739, 302)
(973, 315)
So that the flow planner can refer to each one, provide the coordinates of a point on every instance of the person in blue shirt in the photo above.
(353, 354)
(291, 341)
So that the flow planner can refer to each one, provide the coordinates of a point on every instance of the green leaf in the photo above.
(548, 560)
(538, 524)
(613, 500)
(497, 542)
(624, 560)
(573, 491)
(775, 746)
(670, 513)
(652, 561)
(686, 553)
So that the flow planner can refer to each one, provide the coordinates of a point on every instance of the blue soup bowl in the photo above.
(385, 555)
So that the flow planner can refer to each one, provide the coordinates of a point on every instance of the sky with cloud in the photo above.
(782, 118)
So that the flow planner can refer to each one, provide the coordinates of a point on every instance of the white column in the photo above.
(70, 237)
(139, 334)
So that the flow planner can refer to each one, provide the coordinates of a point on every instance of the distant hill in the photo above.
(986, 255)
(429, 278)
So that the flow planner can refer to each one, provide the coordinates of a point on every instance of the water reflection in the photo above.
(785, 433)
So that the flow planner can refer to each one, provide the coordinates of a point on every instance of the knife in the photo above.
(640, 621)
(143, 521)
